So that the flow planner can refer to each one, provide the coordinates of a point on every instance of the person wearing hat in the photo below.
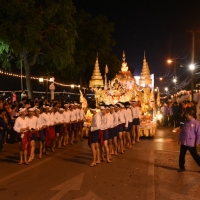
(104, 134)
(121, 128)
(32, 124)
(66, 120)
(58, 120)
(110, 119)
(128, 125)
(45, 121)
(95, 128)
(40, 130)
(115, 127)
(136, 122)
(21, 128)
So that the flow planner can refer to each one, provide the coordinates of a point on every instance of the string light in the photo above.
(39, 79)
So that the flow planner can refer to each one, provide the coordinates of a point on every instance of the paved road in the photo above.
(148, 171)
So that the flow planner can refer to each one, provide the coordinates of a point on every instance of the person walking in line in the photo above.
(189, 138)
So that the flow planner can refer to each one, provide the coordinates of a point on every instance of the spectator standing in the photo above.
(14, 97)
(189, 138)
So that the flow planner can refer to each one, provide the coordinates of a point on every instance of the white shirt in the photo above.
(66, 116)
(96, 122)
(104, 122)
(128, 115)
(121, 116)
(115, 119)
(78, 114)
(110, 120)
(39, 122)
(135, 112)
(82, 114)
(45, 119)
(19, 124)
(73, 115)
(32, 122)
(58, 118)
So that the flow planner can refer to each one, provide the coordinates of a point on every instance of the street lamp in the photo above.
(169, 61)
(166, 89)
(174, 79)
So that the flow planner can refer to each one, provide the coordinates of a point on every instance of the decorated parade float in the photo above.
(124, 87)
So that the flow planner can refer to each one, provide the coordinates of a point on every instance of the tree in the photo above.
(37, 32)
(94, 36)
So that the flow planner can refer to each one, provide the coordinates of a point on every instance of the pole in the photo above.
(47, 89)
(193, 52)
(21, 77)
(175, 78)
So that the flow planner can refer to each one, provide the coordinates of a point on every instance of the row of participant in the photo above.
(113, 129)
(51, 127)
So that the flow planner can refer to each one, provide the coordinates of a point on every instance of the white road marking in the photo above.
(90, 195)
(150, 194)
(72, 184)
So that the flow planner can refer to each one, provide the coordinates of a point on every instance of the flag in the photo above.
(106, 69)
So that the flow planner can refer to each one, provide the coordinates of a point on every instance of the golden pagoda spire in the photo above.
(96, 78)
(123, 56)
(124, 66)
(145, 77)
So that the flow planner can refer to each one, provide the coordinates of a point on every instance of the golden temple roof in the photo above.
(96, 78)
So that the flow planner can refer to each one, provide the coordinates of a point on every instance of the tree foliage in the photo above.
(94, 36)
(41, 33)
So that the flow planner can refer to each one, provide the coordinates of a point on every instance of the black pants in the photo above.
(193, 152)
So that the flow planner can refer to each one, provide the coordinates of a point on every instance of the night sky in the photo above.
(158, 27)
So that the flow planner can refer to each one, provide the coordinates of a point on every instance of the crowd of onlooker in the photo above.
(174, 113)
(9, 108)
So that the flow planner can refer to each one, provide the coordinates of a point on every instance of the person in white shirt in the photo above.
(128, 125)
(21, 128)
(94, 135)
(104, 134)
(32, 124)
(66, 119)
(82, 119)
(58, 120)
(45, 121)
(121, 123)
(110, 118)
(136, 122)
(115, 125)
(40, 127)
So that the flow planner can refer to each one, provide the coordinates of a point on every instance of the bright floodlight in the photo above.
(166, 89)
(174, 80)
(192, 66)
(169, 61)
